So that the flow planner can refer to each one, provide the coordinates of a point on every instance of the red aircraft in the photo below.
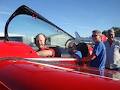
(22, 69)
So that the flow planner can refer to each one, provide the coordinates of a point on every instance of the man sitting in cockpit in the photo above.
(44, 50)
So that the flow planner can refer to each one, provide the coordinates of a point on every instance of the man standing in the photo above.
(98, 57)
(112, 51)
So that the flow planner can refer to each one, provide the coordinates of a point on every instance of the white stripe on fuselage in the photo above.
(67, 69)
(52, 59)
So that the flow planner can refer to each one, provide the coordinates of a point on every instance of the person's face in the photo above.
(42, 40)
(96, 37)
(111, 35)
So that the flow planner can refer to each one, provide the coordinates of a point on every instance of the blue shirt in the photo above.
(100, 51)
(79, 54)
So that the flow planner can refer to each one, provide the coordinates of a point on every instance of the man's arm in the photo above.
(88, 58)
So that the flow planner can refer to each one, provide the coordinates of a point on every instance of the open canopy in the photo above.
(26, 22)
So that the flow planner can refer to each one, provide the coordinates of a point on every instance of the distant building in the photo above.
(12, 37)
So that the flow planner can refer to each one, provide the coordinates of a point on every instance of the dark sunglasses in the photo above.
(94, 35)
(110, 34)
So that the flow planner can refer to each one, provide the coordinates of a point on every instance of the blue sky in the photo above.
(82, 16)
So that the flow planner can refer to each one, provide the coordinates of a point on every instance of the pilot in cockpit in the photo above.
(43, 49)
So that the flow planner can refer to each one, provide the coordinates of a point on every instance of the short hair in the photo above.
(111, 30)
(97, 31)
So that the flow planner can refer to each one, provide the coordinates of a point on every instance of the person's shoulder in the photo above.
(101, 43)
(98, 45)
(106, 43)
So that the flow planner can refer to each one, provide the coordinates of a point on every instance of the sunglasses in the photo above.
(110, 34)
(94, 35)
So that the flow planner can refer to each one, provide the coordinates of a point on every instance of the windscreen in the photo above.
(27, 27)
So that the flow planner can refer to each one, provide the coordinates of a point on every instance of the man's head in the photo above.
(40, 40)
(111, 34)
(96, 35)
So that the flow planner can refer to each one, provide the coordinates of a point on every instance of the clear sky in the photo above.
(82, 16)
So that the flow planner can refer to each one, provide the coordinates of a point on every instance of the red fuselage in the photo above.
(20, 74)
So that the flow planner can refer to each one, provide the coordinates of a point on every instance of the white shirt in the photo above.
(112, 54)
